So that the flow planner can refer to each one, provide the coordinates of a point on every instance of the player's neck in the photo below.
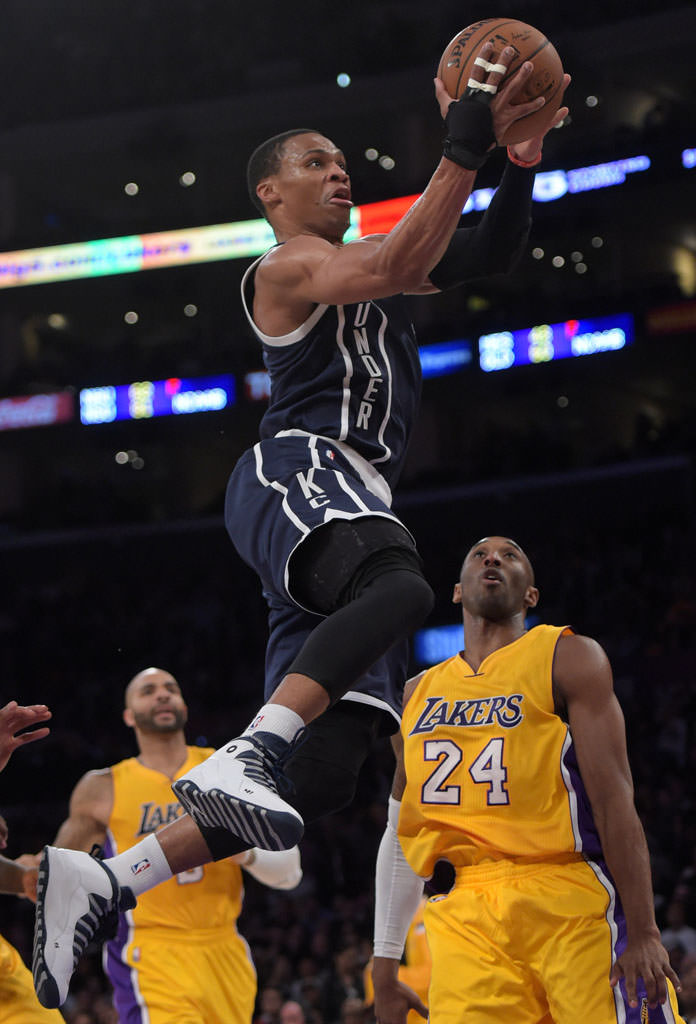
(164, 753)
(286, 229)
(483, 637)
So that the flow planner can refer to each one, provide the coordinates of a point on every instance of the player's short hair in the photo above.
(265, 160)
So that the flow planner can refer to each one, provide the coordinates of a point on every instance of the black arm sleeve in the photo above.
(498, 240)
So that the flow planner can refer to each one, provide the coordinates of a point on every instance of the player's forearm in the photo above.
(626, 853)
(414, 246)
(497, 241)
(80, 833)
(504, 228)
(11, 876)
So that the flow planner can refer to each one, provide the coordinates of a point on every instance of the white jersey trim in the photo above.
(284, 339)
(572, 795)
(387, 415)
(367, 698)
(371, 478)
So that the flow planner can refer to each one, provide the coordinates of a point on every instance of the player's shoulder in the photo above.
(411, 685)
(295, 248)
(578, 645)
(95, 785)
(579, 660)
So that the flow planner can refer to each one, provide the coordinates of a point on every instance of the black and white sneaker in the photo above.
(77, 902)
(237, 789)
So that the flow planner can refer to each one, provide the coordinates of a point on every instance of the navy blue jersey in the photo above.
(351, 373)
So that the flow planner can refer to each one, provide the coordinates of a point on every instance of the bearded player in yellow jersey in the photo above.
(514, 768)
(177, 954)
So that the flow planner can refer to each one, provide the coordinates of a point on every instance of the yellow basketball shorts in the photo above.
(533, 944)
(18, 1002)
(182, 978)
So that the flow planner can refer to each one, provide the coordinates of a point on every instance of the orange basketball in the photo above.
(530, 44)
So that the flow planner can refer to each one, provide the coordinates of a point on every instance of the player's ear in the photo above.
(128, 717)
(457, 594)
(531, 597)
(267, 191)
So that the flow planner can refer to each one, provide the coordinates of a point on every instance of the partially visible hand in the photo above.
(529, 149)
(14, 717)
(492, 79)
(31, 876)
(393, 999)
(3, 833)
(645, 958)
(393, 1002)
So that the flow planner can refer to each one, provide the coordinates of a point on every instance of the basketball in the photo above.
(528, 43)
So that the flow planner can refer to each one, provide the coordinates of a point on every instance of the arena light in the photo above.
(546, 342)
(242, 239)
(145, 399)
(257, 385)
(688, 158)
(37, 410)
(445, 357)
(436, 644)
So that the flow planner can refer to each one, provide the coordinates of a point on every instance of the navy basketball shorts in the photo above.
(280, 491)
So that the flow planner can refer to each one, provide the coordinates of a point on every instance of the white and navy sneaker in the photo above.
(237, 789)
(77, 902)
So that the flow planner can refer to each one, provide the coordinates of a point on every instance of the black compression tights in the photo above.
(385, 601)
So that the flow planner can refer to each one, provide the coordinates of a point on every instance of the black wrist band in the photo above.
(470, 133)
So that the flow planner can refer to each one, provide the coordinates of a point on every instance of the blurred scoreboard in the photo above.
(546, 342)
(145, 399)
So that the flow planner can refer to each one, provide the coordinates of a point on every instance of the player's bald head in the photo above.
(497, 541)
(146, 678)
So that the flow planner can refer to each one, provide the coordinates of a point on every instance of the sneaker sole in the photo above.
(44, 983)
(269, 830)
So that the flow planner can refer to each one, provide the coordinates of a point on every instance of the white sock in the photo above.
(142, 867)
(278, 719)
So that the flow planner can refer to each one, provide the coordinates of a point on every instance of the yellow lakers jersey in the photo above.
(205, 898)
(491, 769)
(18, 1001)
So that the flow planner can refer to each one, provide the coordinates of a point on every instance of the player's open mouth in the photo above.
(341, 198)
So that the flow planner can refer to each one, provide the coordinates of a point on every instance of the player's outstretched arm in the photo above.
(13, 718)
(90, 808)
(311, 269)
(496, 243)
(583, 678)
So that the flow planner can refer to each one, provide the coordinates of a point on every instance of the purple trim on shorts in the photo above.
(617, 923)
(582, 820)
(657, 1015)
(120, 975)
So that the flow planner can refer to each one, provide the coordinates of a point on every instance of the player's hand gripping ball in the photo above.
(529, 44)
